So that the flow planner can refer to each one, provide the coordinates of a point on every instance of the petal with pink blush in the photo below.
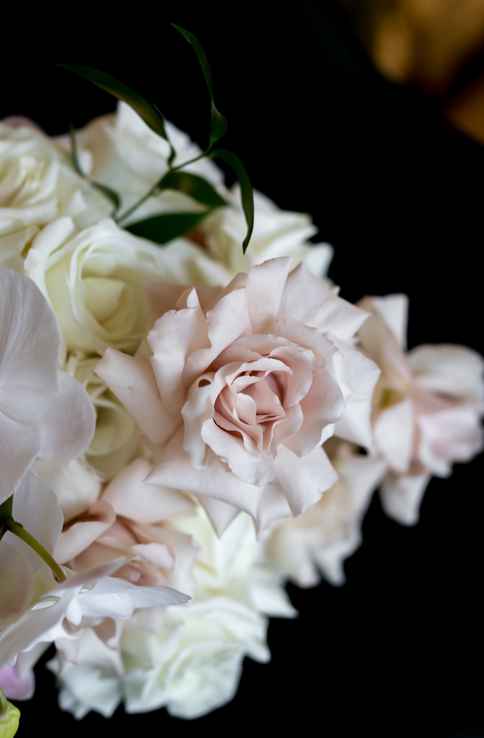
(131, 497)
(80, 535)
(249, 467)
(449, 435)
(380, 344)
(273, 507)
(311, 301)
(174, 337)
(227, 321)
(402, 496)
(455, 371)
(133, 383)
(393, 310)
(395, 435)
(321, 408)
(155, 553)
(265, 289)
(175, 470)
(357, 377)
(303, 479)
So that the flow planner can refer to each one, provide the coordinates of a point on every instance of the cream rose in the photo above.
(276, 233)
(116, 439)
(97, 281)
(243, 386)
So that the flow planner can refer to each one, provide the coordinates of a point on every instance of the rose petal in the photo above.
(303, 479)
(131, 497)
(395, 435)
(132, 381)
(402, 495)
(450, 370)
(265, 288)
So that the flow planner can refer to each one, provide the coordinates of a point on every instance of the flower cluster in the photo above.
(185, 428)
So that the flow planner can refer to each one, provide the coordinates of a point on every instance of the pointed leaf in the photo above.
(194, 186)
(218, 124)
(149, 112)
(246, 191)
(164, 228)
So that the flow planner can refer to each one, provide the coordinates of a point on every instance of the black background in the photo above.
(398, 193)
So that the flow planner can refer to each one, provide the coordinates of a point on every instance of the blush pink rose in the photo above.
(241, 388)
(130, 521)
(428, 406)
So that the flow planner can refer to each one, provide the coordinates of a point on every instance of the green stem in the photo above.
(3, 703)
(119, 219)
(18, 530)
(137, 204)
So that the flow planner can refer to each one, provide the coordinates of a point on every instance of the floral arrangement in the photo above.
(190, 414)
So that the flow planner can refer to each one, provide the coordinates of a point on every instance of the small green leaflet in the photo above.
(149, 112)
(246, 191)
(194, 186)
(218, 123)
(110, 194)
(6, 511)
(164, 228)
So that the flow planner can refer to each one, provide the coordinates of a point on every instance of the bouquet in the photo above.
(190, 414)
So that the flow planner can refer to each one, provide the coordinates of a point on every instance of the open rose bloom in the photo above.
(185, 429)
(241, 388)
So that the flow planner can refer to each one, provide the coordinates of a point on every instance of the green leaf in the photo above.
(6, 509)
(246, 191)
(110, 194)
(218, 124)
(164, 228)
(149, 112)
(194, 186)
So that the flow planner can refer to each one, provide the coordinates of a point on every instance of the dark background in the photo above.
(398, 192)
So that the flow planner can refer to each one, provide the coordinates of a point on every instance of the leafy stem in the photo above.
(129, 211)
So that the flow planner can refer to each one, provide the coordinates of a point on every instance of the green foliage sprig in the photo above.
(165, 227)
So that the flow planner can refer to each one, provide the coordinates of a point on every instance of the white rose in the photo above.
(276, 233)
(96, 281)
(116, 439)
(37, 185)
(122, 152)
(185, 659)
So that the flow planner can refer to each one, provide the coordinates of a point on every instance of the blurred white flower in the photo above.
(319, 540)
